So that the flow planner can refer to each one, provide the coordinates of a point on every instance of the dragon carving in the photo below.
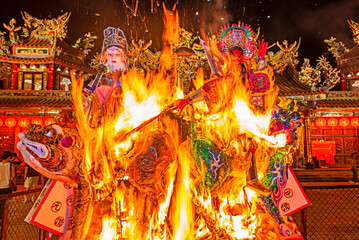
(12, 29)
(313, 75)
(142, 57)
(355, 28)
(338, 49)
(85, 44)
(285, 55)
(49, 29)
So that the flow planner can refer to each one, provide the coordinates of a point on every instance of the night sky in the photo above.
(312, 20)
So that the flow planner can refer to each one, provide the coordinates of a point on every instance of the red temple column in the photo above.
(342, 83)
(50, 79)
(307, 141)
(14, 77)
(4, 82)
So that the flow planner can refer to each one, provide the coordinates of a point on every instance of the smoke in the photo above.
(331, 20)
(312, 21)
(214, 15)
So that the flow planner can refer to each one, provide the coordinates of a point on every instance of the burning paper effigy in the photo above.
(148, 162)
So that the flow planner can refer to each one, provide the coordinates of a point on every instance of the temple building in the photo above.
(35, 75)
(330, 131)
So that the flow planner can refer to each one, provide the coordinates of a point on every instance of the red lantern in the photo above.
(344, 122)
(355, 122)
(49, 121)
(1, 122)
(332, 122)
(36, 121)
(10, 122)
(23, 122)
(320, 122)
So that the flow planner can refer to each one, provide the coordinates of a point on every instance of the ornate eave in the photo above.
(340, 99)
(63, 61)
(349, 62)
(13, 99)
(348, 103)
(289, 84)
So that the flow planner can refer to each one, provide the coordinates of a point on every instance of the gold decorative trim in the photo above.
(20, 80)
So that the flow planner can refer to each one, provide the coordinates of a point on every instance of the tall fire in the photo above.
(148, 162)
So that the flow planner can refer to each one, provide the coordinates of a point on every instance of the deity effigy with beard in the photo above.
(102, 95)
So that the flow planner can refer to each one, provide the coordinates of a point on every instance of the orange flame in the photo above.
(180, 211)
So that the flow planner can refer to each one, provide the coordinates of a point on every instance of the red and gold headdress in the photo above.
(241, 36)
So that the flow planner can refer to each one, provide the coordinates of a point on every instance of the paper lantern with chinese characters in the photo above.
(344, 122)
(1, 122)
(320, 122)
(49, 121)
(23, 122)
(332, 122)
(10, 122)
(36, 121)
(355, 122)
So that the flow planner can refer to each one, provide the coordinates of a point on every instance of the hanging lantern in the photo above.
(355, 122)
(10, 122)
(1, 122)
(332, 122)
(344, 122)
(49, 121)
(36, 121)
(320, 122)
(23, 122)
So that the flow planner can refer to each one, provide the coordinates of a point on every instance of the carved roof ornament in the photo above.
(285, 55)
(355, 28)
(85, 44)
(46, 29)
(338, 49)
(313, 76)
(12, 29)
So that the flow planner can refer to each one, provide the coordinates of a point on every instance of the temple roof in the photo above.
(59, 44)
(24, 99)
(289, 84)
(354, 52)
(338, 103)
(64, 60)
(350, 60)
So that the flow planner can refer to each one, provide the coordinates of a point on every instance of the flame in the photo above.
(109, 229)
(180, 210)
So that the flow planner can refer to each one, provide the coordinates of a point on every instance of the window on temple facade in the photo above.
(355, 85)
(33, 81)
(65, 83)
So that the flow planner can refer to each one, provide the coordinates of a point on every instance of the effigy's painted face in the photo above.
(115, 59)
(237, 56)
